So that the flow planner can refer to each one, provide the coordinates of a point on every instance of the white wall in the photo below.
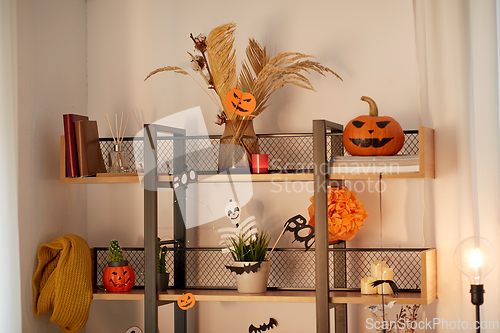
(10, 304)
(51, 81)
(371, 44)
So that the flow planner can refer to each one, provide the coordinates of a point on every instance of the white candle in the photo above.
(387, 273)
(366, 286)
(376, 267)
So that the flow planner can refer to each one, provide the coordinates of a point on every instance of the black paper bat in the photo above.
(245, 269)
(263, 327)
(298, 223)
(391, 283)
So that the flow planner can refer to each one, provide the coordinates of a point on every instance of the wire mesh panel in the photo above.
(205, 268)
(406, 265)
(292, 269)
(287, 152)
(128, 146)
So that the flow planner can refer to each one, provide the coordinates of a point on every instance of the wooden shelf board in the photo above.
(270, 177)
(289, 296)
(423, 163)
(134, 178)
(133, 295)
(425, 170)
(103, 178)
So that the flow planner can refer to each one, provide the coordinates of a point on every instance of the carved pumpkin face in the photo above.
(373, 135)
(120, 278)
(239, 102)
(186, 301)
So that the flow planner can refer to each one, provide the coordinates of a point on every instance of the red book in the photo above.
(70, 143)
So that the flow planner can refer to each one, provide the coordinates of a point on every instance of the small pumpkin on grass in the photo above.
(373, 135)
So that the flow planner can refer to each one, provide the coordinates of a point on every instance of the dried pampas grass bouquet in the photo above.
(261, 75)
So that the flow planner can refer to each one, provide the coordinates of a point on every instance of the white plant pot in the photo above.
(252, 282)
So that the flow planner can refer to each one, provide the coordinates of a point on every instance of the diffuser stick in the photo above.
(126, 123)
(121, 135)
(116, 127)
(114, 140)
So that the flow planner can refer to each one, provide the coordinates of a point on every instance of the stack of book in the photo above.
(83, 151)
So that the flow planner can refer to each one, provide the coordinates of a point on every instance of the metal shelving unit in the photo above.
(330, 290)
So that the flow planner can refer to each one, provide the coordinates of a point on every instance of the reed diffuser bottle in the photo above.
(118, 158)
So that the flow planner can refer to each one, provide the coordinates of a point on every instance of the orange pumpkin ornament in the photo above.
(239, 102)
(186, 301)
(118, 276)
(373, 135)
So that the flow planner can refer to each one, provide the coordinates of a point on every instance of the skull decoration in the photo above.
(233, 212)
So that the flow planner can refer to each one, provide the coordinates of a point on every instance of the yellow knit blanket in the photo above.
(63, 282)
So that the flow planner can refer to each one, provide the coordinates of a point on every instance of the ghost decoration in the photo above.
(247, 228)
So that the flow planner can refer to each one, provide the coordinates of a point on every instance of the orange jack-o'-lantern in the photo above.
(239, 102)
(373, 135)
(186, 301)
(118, 276)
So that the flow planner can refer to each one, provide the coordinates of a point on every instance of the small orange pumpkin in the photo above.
(118, 278)
(239, 102)
(186, 301)
(373, 135)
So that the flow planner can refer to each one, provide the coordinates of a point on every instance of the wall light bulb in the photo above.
(476, 258)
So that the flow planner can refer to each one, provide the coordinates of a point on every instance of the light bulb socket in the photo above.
(477, 294)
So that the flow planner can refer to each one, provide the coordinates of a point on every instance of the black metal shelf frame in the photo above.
(151, 185)
(156, 155)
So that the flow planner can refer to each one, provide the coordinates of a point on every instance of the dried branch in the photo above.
(174, 69)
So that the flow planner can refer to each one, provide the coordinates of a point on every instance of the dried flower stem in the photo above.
(203, 51)
(206, 92)
(260, 75)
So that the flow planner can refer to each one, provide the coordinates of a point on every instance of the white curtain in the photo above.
(457, 53)
(10, 301)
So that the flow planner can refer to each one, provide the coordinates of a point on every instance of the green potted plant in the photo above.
(162, 280)
(250, 263)
(119, 275)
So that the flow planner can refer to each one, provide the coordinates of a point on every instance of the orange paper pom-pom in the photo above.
(345, 214)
